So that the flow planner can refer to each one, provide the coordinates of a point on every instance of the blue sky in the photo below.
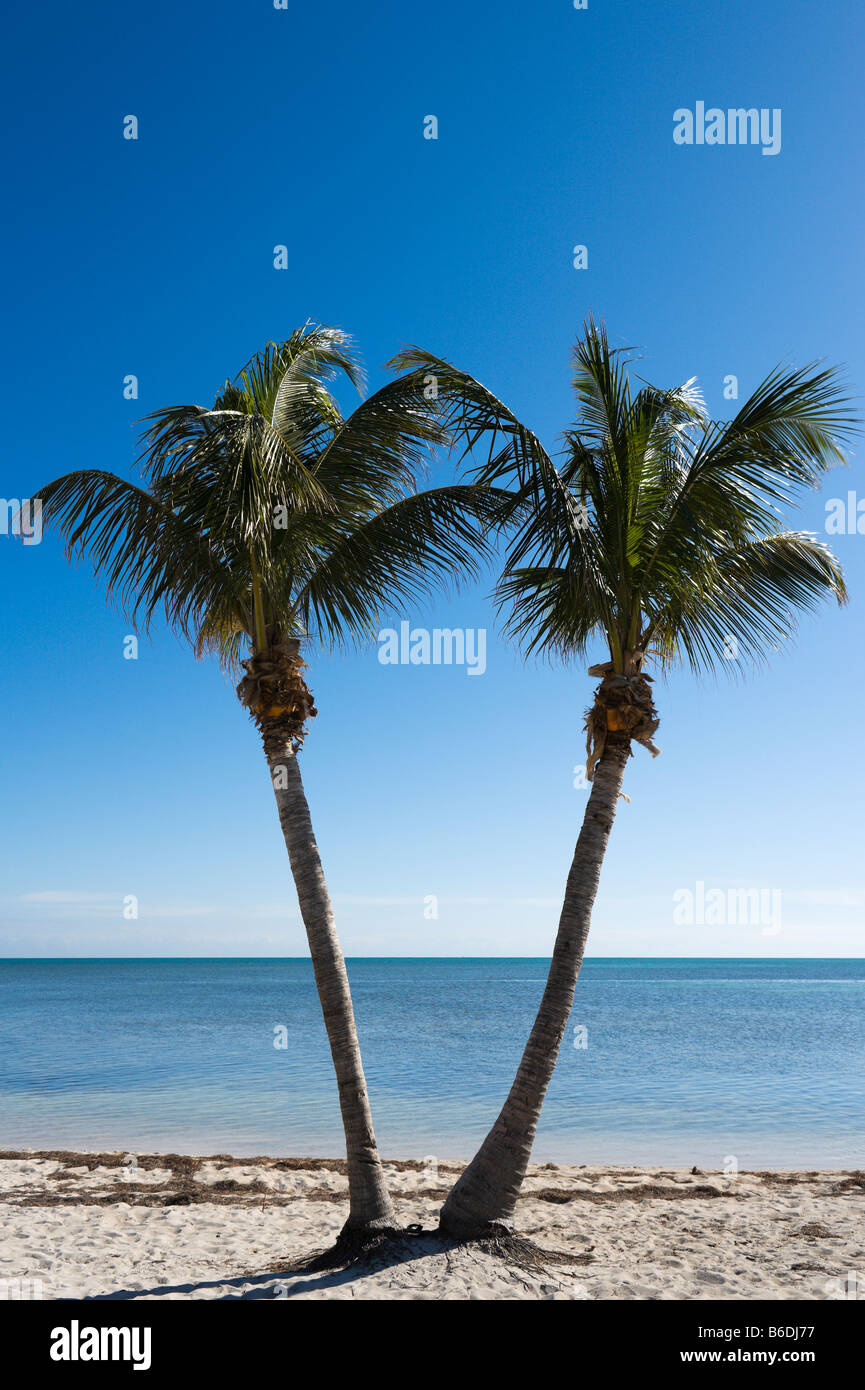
(154, 257)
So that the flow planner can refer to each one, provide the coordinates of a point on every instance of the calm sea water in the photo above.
(687, 1061)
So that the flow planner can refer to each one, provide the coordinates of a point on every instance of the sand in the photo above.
(79, 1225)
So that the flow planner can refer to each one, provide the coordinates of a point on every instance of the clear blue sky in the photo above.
(155, 257)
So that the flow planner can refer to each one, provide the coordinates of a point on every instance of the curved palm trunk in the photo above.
(486, 1193)
(370, 1205)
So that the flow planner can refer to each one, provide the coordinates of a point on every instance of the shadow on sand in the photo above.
(296, 1279)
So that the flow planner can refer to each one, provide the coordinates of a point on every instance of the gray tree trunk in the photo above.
(486, 1194)
(370, 1205)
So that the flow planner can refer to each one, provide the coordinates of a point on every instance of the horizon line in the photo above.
(9, 959)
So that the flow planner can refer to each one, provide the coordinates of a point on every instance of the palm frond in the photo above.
(226, 468)
(311, 356)
(397, 558)
(147, 557)
(383, 447)
(742, 601)
(472, 413)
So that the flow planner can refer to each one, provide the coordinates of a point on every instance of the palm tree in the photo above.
(262, 522)
(656, 532)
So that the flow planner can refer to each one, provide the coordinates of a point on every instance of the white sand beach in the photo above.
(79, 1225)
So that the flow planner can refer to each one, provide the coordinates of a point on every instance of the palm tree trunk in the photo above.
(370, 1206)
(485, 1196)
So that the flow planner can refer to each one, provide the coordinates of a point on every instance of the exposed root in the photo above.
(373, 1249)
(522, 1253)
(351, 1247)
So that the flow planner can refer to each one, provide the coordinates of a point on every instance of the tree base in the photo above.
(356, 1246)
(353, 1244)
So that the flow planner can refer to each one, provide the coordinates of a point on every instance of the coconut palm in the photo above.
(263, 523)
(656, 531)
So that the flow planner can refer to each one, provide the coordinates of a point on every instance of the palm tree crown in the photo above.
(270, 516)
(656, 530)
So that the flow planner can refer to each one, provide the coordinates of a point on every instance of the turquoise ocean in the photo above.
(684, 1061)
